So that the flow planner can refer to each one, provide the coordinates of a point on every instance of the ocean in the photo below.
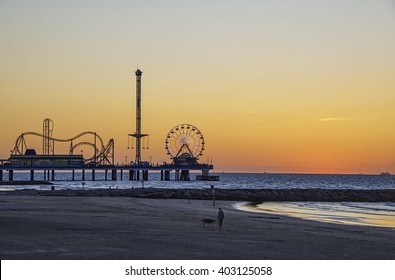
(227, 181)
(380, 214)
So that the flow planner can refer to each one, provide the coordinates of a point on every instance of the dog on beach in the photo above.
(206, 222)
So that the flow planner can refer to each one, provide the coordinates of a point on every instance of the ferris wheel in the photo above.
(184, 140)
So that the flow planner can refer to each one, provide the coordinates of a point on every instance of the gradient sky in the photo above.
(275, 86)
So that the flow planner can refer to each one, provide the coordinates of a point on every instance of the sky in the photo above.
(274, 86)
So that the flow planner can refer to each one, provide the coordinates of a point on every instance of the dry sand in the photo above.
(56, 227)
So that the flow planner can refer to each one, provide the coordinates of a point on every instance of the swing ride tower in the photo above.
(138, 135)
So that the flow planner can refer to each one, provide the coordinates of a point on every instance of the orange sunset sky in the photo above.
(274, 86)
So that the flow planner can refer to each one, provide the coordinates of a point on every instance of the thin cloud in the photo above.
(253, 113)
(335, 119)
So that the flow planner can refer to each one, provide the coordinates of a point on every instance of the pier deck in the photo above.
(136, 173)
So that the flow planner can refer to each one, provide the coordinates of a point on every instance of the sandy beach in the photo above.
(72, 227)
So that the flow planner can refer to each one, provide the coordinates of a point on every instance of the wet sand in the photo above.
(72, 227)
(378, 214)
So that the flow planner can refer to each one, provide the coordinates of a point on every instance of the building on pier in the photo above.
(47, 161)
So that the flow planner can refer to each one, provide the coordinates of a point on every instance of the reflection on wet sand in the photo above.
(380, 214)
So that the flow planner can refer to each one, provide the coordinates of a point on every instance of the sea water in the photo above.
(63, 180)
(371, 214)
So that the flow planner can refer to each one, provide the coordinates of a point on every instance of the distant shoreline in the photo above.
(252, 195)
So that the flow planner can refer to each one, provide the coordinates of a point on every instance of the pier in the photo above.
(113, 173)
(184, 144)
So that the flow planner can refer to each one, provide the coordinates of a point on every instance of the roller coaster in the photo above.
(102, 154)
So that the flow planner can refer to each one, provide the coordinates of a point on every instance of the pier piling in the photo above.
(167, 175)
(185, 175)
(145, 175)
(140, 173)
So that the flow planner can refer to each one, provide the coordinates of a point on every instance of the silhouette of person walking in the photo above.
(221, 217)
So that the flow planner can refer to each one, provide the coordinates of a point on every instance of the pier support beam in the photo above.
(177, 175)
(105, 176)
(145, 175)
(93, 175)
(83, 174)
(46, 175)
(161, 175)
(52, 175)
(11, 175)
(31, 175)
(73, 175)
(138, 175)
(185, 175)
(114, 174)
(1, 175)
(167, 175)
(121, 174)
(131, 175)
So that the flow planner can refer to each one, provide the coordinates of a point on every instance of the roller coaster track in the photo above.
(103, 155)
